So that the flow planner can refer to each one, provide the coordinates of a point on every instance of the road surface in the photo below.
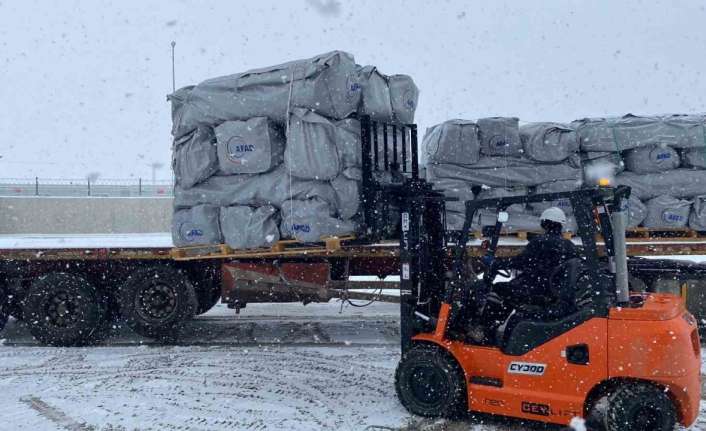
(277, 366)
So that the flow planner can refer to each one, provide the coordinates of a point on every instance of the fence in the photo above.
(85, 187)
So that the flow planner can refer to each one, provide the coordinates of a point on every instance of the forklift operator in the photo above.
(536, 264)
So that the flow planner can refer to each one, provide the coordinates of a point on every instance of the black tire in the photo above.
(64, 310)
(430, 383)
(156, 302)
(640, 407)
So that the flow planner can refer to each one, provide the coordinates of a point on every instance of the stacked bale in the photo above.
(494, 157)
(660, 157)
(275, 153)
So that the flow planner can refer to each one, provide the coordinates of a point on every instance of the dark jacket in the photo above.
(539, 259)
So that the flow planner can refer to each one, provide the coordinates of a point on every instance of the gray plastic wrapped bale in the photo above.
(637, 211)
(656, 158)
(680, 183)
(453, 141)
(311, 146)
(694, 158)
(194, 158)
(271, 188)
(505, 172)
(520, 218)
(518, 221)
(311, 220)
(348, 143)
(246, 227)
(500, 136)
(347, 196)
(555, 187)
(667, 212)
(326, 83)
(387, 98)
(548, 142)
(697, 218)
(196, 226)
(598, 164)
(686, 131)
(632, 131)
(249, 147)
(457, 189)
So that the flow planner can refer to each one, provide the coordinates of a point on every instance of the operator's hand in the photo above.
(488, 260)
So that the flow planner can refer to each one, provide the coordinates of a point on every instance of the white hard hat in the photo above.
(553, 214)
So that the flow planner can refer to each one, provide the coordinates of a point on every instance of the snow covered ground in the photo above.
(277, 366)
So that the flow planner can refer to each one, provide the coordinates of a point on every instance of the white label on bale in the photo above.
(405, 222)
(405, 271)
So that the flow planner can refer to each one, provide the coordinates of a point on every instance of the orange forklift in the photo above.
(632, 360)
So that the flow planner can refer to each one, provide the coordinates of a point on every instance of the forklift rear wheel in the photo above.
(640, 406)
(156, 302)
(64, 310)
(430, 383)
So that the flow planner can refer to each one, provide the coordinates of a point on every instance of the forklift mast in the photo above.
(392, 150)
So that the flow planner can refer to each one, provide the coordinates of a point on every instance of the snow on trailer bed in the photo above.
(86, 246)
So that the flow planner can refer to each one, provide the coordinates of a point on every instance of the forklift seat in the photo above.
(527, 334)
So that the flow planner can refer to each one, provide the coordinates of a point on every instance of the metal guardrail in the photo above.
(85, 187)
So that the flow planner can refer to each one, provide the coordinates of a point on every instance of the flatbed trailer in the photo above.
(285, 273)
(70, 289)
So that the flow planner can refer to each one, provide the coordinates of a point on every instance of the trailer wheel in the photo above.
(430, 383)
(156, 302)
(63, 310)
(640, 406)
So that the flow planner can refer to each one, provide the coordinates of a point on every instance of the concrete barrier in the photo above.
(78, 215)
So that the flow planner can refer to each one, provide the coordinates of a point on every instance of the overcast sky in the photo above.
(84, 82)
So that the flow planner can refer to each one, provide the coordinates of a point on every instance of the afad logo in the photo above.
(664, 156)
(296, 227)
(237, 148)
(189, 232)
(498, 141)
(353, 87)
(672, 218)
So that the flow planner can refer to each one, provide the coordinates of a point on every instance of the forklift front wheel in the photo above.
(640, 406)
(430, 383)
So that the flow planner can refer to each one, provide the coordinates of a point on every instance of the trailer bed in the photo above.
(160, 246)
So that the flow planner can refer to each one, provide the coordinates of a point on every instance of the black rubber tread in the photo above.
(85, 329)
(627, 404)
(451, 401)
(166, 328)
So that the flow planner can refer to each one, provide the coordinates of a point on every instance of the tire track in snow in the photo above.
(54, 415)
